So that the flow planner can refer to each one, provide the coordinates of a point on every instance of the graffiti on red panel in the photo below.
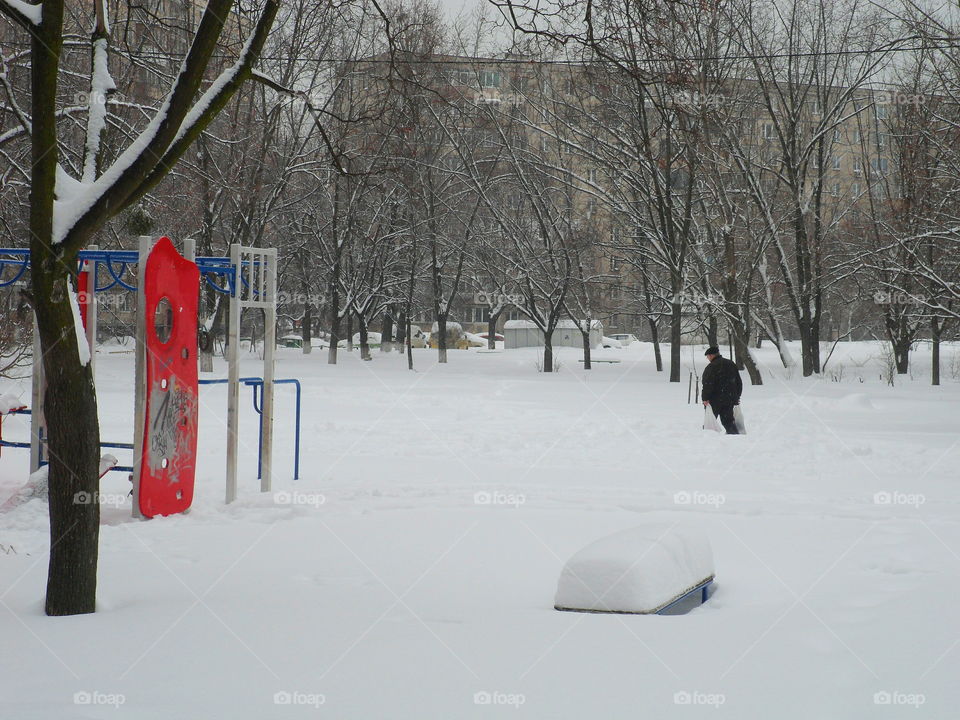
(168, 462)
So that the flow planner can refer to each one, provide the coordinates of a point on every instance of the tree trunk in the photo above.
(548, 352)
(655, 339)
(386, 332)
(586, 349)
(742, 347)
(334, 317)
(306, 325)
(70, 400)
(401, 337)
(364, 341)
(409, 345)
(900, 336)
(442, 337)
(492, 332)
(712, 336)
(73, 433)
(349, 331)
(936, 330)
(675, 335)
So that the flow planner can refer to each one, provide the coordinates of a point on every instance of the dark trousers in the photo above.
(724, 411)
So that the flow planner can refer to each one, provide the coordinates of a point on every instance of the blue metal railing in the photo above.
(257, 382)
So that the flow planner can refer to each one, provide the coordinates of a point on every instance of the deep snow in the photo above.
(411, 572)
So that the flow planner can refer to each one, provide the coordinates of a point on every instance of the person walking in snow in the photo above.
(722, 388)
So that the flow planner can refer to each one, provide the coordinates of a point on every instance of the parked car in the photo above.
(496, 336)
(609, 342)
(625, 338)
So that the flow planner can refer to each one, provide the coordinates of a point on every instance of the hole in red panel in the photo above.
(179, 494)
(163, 320)
(184, 353)
(163, 383)
(164, 463)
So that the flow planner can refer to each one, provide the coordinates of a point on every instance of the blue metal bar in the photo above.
(22, 263)
(117, 280)
(228, 290)
(257, 382)
(702, 588)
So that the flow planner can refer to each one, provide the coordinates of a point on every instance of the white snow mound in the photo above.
(640, 570)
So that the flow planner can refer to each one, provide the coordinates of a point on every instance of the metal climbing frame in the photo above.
(255, 286)
(248, 276)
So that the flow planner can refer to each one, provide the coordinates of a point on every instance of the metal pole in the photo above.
(140, 374)
(268, 285)
(233, 374)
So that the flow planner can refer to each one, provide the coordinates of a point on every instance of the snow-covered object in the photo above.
(612, 343)
(36, 488)
(451, 327)
(640, 570)
(83, 348)
(525, 333)
(9, 403)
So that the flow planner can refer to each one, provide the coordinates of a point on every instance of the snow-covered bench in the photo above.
(641, 571)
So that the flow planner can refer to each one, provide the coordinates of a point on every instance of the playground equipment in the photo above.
(165, 413)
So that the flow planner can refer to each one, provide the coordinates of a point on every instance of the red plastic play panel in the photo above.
(168, 464)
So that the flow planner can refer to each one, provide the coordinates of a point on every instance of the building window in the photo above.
(479, 314)
(592, 175)
(615, 263)
(489, 79)
(836, 162)
(857, 166)
(879, 166)
(836, 134)
(855, 190)
(882, 112)
(835, 190)
(768, 131)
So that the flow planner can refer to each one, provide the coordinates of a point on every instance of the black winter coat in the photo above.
(721, 382)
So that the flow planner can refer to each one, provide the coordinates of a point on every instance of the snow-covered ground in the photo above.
(411, 572)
